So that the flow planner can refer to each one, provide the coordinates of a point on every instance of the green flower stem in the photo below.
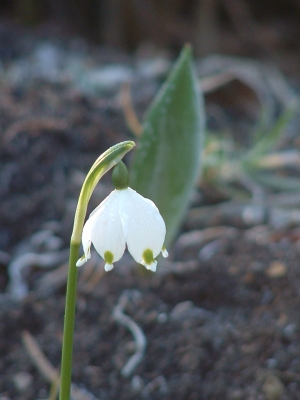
(67, 349)
(106, 161)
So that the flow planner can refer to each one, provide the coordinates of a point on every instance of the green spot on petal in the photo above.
(148, 257)
(108, 257)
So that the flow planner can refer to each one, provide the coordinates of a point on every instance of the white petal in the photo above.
(82, 260)
(151, 267)
(107, 233)
(164, 252)
(108, 267)
(86, 243)
(143, 225)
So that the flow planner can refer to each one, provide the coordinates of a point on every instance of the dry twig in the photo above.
(47, 370)
(17, 283)
(34, 125)
(91, 276)
(137, 333)
(129, 112)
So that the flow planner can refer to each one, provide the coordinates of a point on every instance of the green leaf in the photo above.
(167, 161)
(266, 140)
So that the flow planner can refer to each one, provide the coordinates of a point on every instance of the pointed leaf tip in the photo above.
(167, 161)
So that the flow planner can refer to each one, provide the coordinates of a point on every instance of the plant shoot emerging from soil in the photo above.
(165, 169)
(104, 163)
(124, 217)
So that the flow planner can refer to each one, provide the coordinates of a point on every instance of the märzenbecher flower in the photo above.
(125, 218)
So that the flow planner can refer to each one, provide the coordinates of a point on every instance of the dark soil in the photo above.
(221, 317)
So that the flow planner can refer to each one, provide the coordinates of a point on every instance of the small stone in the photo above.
(289, 330)
(186, 310)
(190, 239)
(159, 386)
(162, 318)
(254, 215)
(211, 249)
(273, 388)
(22, 381)
(137, 384)
(276, 269)
(180, 310)
(271, 363)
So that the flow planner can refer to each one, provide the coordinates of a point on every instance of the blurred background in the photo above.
(221, 316)
(268, 29)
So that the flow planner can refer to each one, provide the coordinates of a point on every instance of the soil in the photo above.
(221, 315)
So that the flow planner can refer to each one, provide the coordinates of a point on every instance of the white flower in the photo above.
(125, 217)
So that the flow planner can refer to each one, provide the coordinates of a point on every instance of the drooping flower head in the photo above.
(124, 218)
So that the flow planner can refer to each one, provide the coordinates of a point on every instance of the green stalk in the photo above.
(106, 161)
(67, 349)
